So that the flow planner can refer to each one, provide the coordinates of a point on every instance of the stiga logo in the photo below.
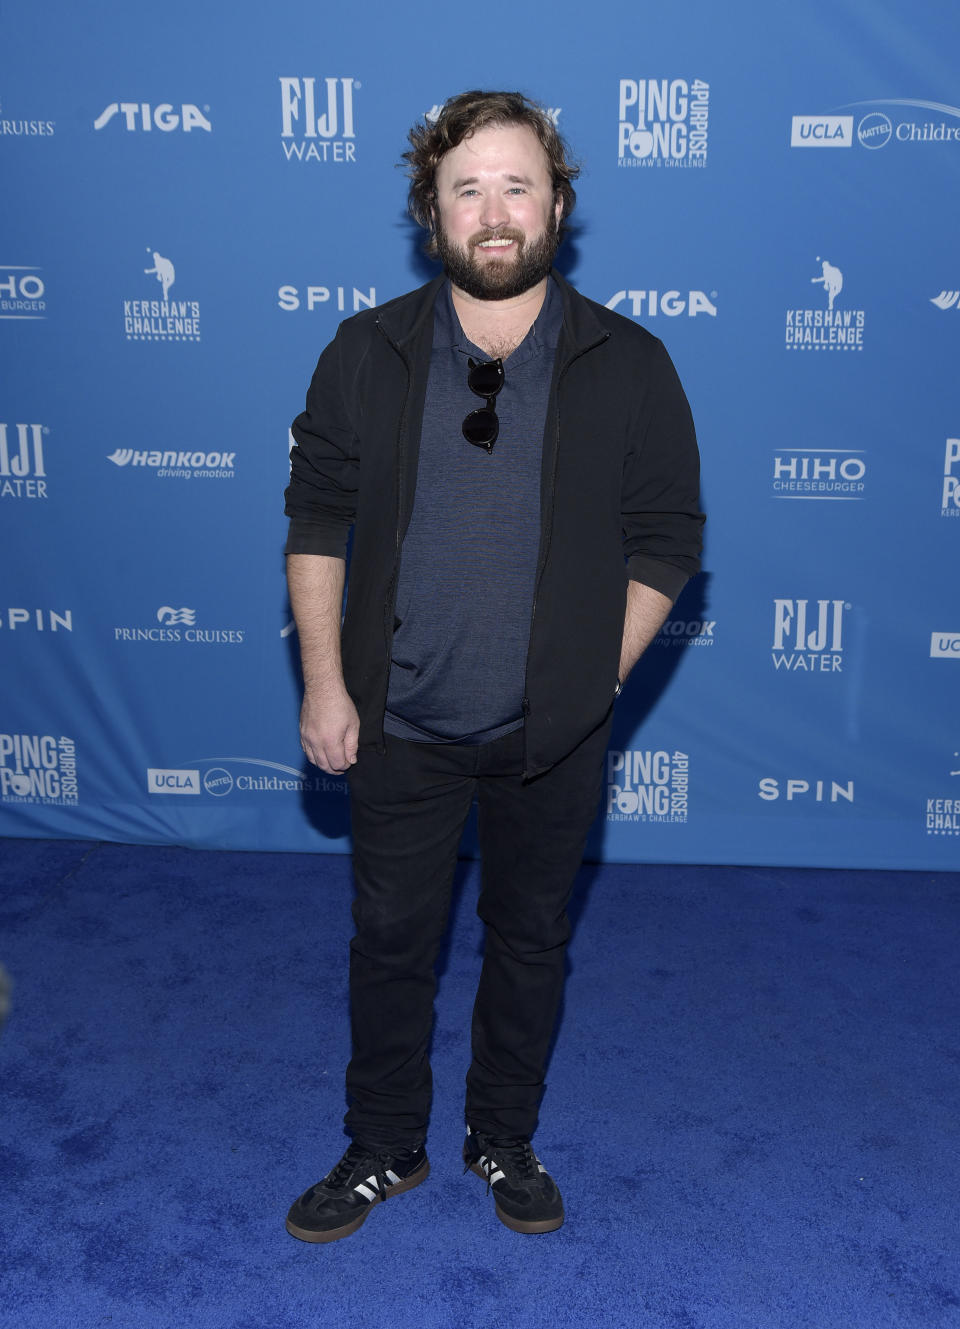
(663, 122)
(38, 768)
(830, 329)
(141, 117)
(648, 786)
(22, 467)
(163, 319)
(831, 474)
(808, 635)
(950, 493)
(22, 292)
(179, 465)
(677, 632)
(647, 304)
(945, 645)
(179, 625)
(822, 131)
(319, 297)
(220, 776)
(317, 119)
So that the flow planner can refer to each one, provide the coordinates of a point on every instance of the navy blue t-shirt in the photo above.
(469, 558)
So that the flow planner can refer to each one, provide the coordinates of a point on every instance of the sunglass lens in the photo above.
(481, 428)
(486, 379)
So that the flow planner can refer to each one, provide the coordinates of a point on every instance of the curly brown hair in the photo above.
(464, 115)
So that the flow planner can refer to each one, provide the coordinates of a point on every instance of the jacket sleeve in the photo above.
(660, 506)
(321, 498)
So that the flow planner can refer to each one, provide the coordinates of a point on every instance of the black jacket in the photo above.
(619, 499)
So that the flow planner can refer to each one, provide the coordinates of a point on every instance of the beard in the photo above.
(499, 279)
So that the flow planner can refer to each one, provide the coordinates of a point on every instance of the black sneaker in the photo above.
(336, 1206)
(525, 1194)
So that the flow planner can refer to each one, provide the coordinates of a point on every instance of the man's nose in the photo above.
(494, 213)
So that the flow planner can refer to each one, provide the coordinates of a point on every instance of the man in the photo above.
(519, 469)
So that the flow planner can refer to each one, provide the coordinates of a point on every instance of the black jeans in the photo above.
(408, 809)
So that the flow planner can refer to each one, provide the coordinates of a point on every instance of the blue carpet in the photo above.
(752, 1110)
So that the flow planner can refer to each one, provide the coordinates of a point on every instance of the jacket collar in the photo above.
(402, 319)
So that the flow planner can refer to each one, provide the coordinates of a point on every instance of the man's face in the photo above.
(496, 213)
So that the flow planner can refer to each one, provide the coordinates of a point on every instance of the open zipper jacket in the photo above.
(619, 500)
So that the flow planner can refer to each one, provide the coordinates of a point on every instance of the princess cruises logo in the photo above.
(833, 328)
(179, 625)
(165, 319)
(663, 122)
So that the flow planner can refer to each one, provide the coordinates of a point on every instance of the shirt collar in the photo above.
(543, 335)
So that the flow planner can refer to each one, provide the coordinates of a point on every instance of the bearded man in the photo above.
(519, 468)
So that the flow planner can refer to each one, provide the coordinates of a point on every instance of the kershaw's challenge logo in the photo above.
(830, 329)
(663, 122)
(648, 786)
(942, 814)
(317, 119)
(163, 319)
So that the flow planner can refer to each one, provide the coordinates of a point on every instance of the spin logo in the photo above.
(808, 636)
(23, 471)
(648, 786)
(38, 768)
(663, 122)
(950, 491)
(344, 298)
(317, 119)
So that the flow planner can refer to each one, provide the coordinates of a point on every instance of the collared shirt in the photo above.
(469, 558)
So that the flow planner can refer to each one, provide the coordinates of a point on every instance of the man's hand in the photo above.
(329, 729)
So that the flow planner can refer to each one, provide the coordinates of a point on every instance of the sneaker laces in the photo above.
(374, 1163)
(513, 1156)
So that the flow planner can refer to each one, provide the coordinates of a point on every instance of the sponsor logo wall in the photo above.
(159, 325)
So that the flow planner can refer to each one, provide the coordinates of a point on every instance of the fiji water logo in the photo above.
(22, 463)
(141, 117)
(808, 636)
(663, 122)
(317, 119)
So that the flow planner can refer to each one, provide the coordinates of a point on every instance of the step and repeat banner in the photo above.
(194, 198)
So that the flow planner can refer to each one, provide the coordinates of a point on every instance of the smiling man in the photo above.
(519, 468)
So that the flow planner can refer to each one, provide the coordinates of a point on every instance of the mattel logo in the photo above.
(822, 131)
(172, 782)
(945, 645)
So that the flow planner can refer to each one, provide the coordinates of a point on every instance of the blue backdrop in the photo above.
(195, 196)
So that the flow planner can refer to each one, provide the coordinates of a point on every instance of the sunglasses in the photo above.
(482, 426)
